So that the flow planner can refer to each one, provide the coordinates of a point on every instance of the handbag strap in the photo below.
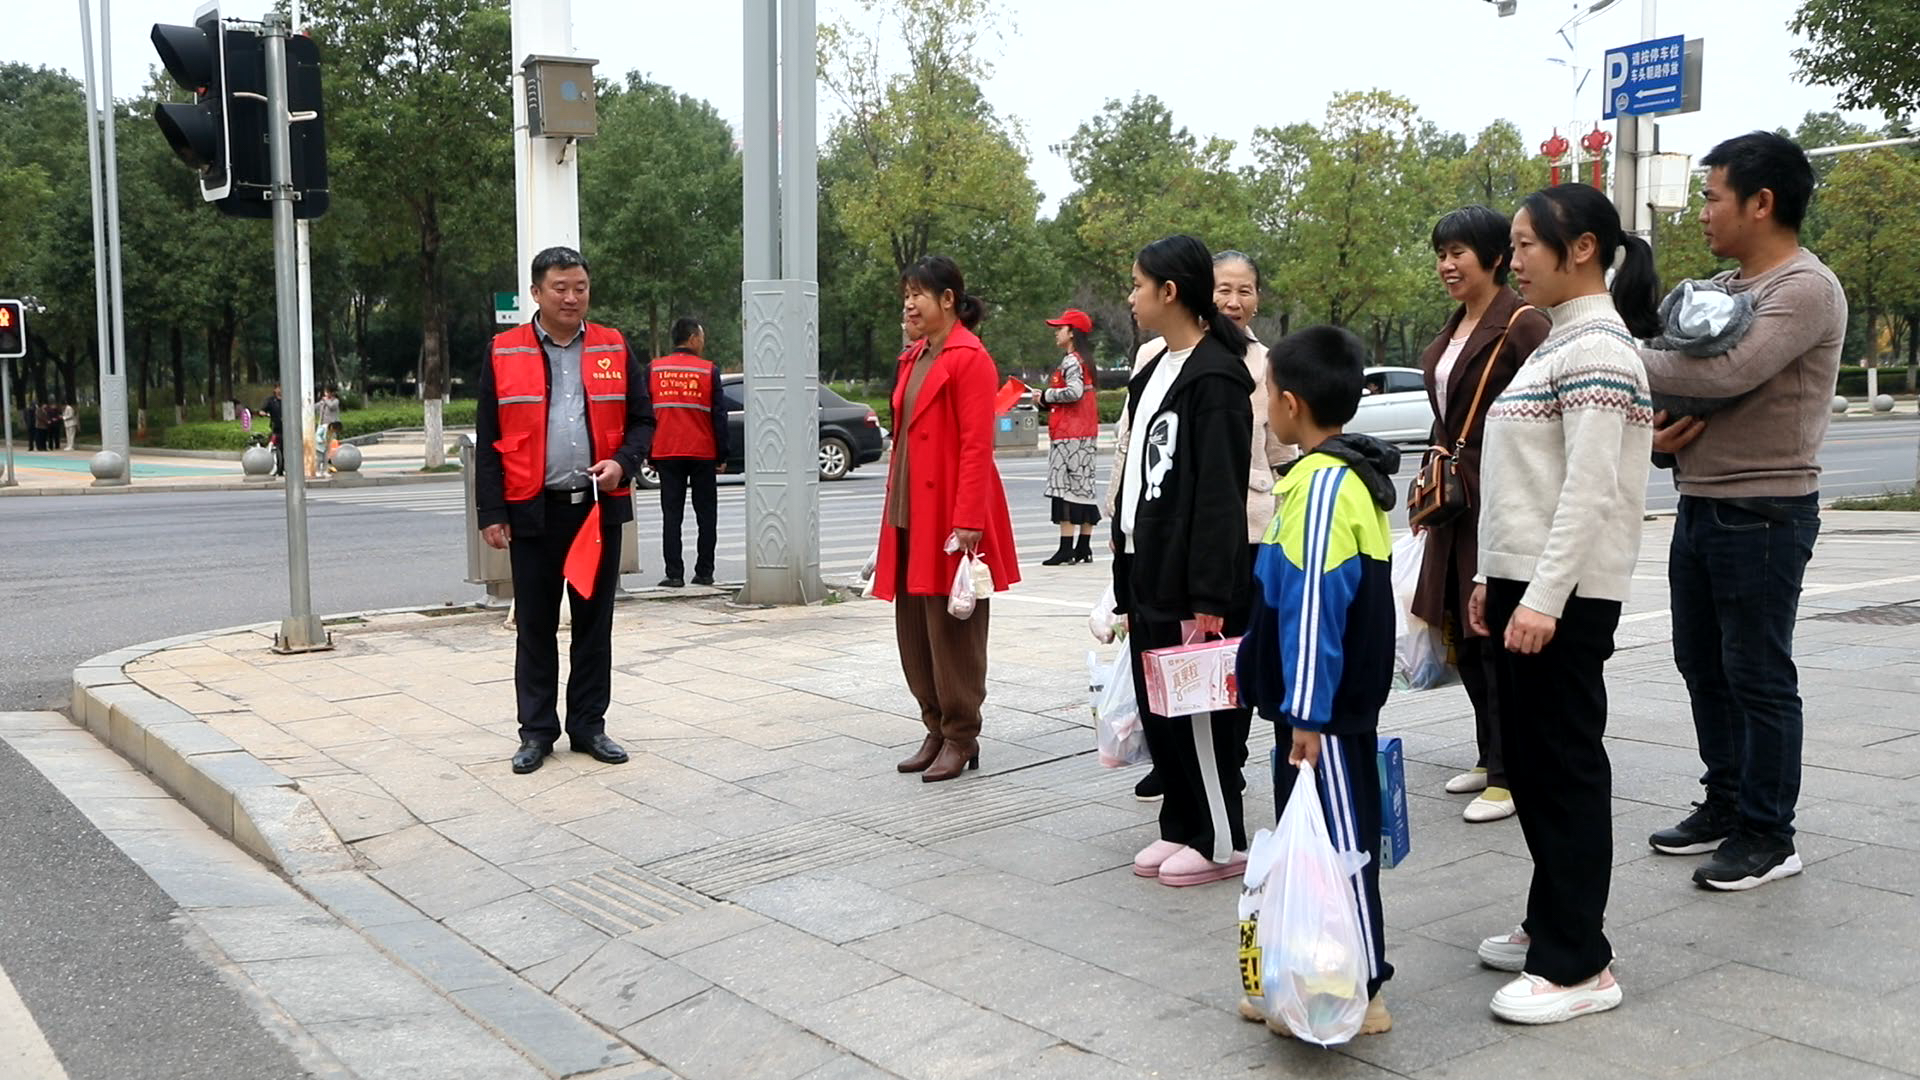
(1486, 373)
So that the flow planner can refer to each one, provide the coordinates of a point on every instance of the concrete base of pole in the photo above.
(782, 438)
(301, 634)
(109, 469)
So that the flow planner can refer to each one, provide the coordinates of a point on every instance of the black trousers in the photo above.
(1475, 659)
(538, 566)
(676, 476)
(1561, 779)
(1198, 759)
(1348, 780)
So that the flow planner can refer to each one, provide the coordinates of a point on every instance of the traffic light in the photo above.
(13, 329)
(224, 132)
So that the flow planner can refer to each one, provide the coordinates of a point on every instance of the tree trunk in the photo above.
(653, 327)
(333, 354)
(433, 345)
(146, 378)
(177, 349)
(213, 375)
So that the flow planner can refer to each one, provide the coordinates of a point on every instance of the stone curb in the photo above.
(161, 487)
(264, 812)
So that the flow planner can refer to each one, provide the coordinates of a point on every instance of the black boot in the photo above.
(1083, 551)
(1063, 556)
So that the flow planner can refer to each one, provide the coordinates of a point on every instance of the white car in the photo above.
(1395, 408)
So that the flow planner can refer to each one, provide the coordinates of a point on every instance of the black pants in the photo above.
(1349, 783)
(1198, 759)
(1735, 570)
(538, 565)
(676, 476)
(1475, 659)
(1562, 781)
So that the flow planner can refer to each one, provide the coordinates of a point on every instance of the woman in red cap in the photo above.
(1073, 427)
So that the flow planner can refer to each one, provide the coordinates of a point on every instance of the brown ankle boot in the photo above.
(956, 757)
(923, 757)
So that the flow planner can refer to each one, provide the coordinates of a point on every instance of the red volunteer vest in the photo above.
(682, 385)
(520, 385)
(1075, 419)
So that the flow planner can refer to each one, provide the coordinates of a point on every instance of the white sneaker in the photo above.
(1508, 952)
(1483, 809)
(1471, 780)
(1531, 999)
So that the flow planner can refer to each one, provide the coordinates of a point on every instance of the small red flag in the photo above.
(1009, 395)
(583, 557)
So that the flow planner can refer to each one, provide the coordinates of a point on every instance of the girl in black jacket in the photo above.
(1179, 531)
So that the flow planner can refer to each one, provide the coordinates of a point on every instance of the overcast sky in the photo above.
(1224, 68)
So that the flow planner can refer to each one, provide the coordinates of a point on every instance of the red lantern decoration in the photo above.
(1555, 149)
(1595, 142)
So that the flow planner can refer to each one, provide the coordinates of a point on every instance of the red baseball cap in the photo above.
(1075, 318)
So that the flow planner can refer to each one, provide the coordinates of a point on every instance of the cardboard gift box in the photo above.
(1184, 680)
(1396, 839)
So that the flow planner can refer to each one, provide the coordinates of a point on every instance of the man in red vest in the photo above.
(563, 420)
(689, 448)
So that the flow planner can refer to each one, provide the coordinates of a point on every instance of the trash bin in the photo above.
(1018, 428)
(489, 566)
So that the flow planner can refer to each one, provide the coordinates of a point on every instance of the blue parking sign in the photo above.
(1646, 78)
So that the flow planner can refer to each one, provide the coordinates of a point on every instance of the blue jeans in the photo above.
(1735, 572)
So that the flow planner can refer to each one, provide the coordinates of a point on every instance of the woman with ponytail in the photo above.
(1569, 444)
(944, 497)
(1180, 541)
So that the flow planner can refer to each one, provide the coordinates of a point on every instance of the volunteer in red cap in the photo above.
(1073, 427)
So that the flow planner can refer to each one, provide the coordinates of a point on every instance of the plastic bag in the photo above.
(1103, 622)
(972, 582)
(1419, 650)
(1116, 716)
(1309, 951)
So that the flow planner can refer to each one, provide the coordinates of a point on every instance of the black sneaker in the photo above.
(703, 579)
(1747, 860)
(671, 583)
(1150, 789)
(1703, 830)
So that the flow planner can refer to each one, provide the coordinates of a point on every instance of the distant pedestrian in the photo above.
(1483, 344)
(326, 418)
(1749, 482)
(36, 425)
(944, 497)
(71, 421)
(1569, 446)
(1073, 428)
(273, 408)
(1181, 569)
(689, 449)
(562, 411)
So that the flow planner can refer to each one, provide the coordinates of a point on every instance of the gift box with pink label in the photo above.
(1183, 680)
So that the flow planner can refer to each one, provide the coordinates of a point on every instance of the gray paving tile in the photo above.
(441, 956)
(910, 1028)
(1527, 1055)
(901, 865)
(849, 1068)
(553, 1036)
(622, 984)
(447, 1046)
(1035, 855)
(279, 932)
(1843, 1022)
(809, 972)
(717, 1036)
(1433, 1028)
(523, 930)
(1777, 1059)
(694, 929)
(1662, 1041)
(324, 989)
(831, 907)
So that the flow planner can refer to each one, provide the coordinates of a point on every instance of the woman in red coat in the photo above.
(943, 491)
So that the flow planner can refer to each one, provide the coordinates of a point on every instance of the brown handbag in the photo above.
(1439, 493)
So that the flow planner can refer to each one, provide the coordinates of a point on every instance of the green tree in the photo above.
(1873, 214)
(1868, 49)
(420, 115)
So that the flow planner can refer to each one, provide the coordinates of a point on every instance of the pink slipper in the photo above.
(1189, 867)
(1147, 863)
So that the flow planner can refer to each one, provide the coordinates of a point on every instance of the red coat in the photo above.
(954, 482)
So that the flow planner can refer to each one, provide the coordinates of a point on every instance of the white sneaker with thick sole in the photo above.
(1531, 999)
(1470, 781)
(1508, 952)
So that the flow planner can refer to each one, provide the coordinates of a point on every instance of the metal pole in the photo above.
(1643, 138)
(6, 414)
(113, 403)
(102, 319)
(315, 457)
(760, 163)
(300, 631)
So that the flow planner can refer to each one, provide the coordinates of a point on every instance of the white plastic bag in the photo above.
(1420, 650)
(972, 582)
(1311, 953)
(1103, 622)
(1116, 716)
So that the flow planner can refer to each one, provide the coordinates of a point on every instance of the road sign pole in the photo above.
(6, 408)
(1643, 137)
(301, 630)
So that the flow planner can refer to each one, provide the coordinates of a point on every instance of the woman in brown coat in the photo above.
(1488, 337)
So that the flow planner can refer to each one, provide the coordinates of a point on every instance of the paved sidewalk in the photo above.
(759, 894)
(67, 472)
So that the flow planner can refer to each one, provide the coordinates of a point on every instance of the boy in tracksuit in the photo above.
(1317, 658)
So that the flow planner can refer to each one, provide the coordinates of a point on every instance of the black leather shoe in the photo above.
(531, 753)
(703, 579)
(671, 583)
(602, 749)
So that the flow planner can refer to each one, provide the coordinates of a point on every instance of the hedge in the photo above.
(383, 416)
(1893, 380)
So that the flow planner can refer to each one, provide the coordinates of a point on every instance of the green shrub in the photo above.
(1112, 404)
(386, 415)
(1893, 380)
(201, 435)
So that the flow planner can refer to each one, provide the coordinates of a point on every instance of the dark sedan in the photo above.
(850, 434)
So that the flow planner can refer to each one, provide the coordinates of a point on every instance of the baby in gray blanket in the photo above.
(1702, 319)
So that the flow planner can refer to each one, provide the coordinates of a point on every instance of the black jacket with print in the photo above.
(1190, 533)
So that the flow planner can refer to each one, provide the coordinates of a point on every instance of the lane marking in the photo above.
(1812, 590)
(24, 1053)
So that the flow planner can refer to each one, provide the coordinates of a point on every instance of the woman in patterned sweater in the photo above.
(1564, 481)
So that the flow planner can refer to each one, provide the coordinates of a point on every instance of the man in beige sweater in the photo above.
(1749, 484)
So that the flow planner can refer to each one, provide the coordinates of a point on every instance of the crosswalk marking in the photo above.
(24, 1053)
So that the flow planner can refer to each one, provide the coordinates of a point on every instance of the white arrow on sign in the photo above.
(1658, 91)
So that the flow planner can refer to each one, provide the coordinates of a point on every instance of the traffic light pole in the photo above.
(117, 470)
(300, 631)
(6, 415)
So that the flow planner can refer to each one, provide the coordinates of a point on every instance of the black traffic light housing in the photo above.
(224, 132)
(13, 329)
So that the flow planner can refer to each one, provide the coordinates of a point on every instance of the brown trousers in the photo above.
(944, 659)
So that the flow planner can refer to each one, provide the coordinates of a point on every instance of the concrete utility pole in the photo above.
(781, 300)
(546, 171)
(111, 467)
(313, 460)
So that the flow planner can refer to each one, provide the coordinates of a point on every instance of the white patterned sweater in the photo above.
(1564, 474)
